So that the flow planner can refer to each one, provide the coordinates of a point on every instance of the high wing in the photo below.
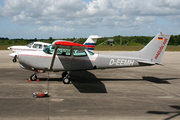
(65, 45)
(68, 45)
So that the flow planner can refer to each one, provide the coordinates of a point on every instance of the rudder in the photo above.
(91, 42)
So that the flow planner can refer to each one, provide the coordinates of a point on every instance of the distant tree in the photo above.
(177, 40)
(50, 38)
(171, 41)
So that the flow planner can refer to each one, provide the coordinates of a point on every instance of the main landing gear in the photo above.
(33, 77)
(65, 79)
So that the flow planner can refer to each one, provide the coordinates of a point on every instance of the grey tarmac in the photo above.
(144, 93)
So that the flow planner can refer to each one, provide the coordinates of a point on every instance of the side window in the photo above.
(79, 53)
(38, 46)
(65, 52)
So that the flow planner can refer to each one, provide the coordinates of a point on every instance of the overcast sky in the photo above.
(82, 18)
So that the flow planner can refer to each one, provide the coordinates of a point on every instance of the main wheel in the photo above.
(64, 74)
(33, 77)
(66, 80)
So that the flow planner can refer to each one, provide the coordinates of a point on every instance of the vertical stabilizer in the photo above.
(91, 42)
(154, 50)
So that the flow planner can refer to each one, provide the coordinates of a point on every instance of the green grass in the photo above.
(130, 48)
(134, 44)
(173, 48)
(4, 47)
(118, 48)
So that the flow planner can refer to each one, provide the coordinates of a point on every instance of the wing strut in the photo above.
(54, 55)
(64, 45)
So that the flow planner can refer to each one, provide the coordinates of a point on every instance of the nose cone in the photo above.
(9, 48)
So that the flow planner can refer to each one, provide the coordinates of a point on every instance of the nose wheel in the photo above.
(65, 79)
(15, 58)
(33, 77)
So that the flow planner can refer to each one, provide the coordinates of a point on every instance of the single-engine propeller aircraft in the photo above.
(68, 56)
(34, 46)
(39, 46)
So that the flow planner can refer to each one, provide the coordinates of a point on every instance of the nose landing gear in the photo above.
(15, 58)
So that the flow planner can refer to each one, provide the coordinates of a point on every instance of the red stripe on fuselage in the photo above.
(58, 57)
(24, 49)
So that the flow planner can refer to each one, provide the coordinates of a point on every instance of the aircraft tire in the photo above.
(33, 77)
(14, 60)
(66, 80)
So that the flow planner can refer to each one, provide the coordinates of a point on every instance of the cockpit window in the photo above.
(66, 52)
(47, 50)
(50, 50)
(30, 44)
(79, 53)
(38, 46)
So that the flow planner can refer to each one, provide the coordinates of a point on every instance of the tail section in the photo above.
(154, 50)
(91, 42)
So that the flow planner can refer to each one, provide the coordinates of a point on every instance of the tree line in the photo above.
(118, 40)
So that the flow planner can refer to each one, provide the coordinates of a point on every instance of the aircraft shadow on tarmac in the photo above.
(147, 78)
(176, 113)
(84, 81)
(87, 82)
(157, 80)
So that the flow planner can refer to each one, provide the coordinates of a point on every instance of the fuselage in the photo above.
(73, 60)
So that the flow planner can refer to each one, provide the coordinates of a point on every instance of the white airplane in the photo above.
(34, 46)
(39, 46)
(68, 56)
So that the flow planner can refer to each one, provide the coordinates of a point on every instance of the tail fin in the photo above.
(154, 50)
(91, 42)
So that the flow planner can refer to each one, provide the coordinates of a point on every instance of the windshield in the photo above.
(79, 53)
(30, 44)
(48, 49)
(91, 53)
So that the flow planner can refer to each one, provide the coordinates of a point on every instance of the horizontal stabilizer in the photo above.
(146, 62)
